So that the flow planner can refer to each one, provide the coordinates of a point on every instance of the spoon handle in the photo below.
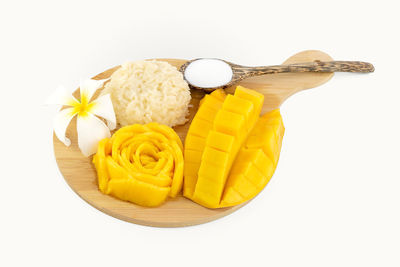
(316, 66)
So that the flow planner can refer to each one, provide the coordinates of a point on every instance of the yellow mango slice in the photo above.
(256, 161)
(240, 106)
(268, 134)
(239, 152)
(231, 198)
(231, 126)
(207, 192)
(219, 94)
(244, 187)
(255, 97)
(166, 131)
(212, 173)
(138, 192)
(215, 156)
(99, 161)
(207, 112)
(220, 141)
(255, 176)
(142, 164)
(195, 141)
(177, 179)
(230, 123)
(258, 158)
(200, 127)
(215, 99)
(191, 169)
(210, 184)
(193, 156)
(250, 175)
(250, 170)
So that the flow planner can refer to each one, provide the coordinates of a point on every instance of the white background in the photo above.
(335, 197)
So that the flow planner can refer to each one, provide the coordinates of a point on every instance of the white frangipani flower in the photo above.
(90, 128)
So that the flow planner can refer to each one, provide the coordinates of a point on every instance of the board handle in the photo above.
(242, 72)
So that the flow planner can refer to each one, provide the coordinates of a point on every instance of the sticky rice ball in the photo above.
(149, 91)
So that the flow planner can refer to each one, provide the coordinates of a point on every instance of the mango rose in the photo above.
(142, 164)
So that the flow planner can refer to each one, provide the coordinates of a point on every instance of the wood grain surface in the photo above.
(80, 174)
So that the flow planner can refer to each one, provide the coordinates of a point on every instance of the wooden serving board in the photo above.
(80, 174)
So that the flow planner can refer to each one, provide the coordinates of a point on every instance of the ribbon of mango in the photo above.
(142, 164)
(90, 128)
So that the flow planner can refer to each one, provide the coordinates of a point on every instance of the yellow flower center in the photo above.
(83, 107)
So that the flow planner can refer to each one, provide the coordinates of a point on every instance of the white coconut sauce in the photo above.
(208, 73)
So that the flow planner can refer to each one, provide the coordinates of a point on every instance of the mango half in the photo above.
(142, 164)
(256, 161)
(230, 153)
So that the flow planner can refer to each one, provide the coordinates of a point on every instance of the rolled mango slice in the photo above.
(142, 164)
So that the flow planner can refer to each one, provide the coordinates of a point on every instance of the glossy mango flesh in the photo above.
(230, 149)
(142, 164)
(256, 162)
(195, 141)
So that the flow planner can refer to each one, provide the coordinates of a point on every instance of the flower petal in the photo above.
(103, 107)
(61, 122)
(90, 131)
(61, 96)
(88, 88)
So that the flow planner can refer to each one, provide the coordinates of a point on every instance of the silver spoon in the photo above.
(198, 74)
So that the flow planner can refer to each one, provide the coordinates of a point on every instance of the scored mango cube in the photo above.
(209, 187)
(244, 187)
(256, 98)
(240, 106)
(219, 94)
(200, 127)
(212, 172)
(220, 141)
(212, 102)
(264, 136)
(206, 112)
(189, 185)
(211, 178)
(231, 198)
(210, 184)
(268, 138)
(193, 156)
(229, 123)
(254, 175)
(215, 157)
(269, 145)
(191, 169)
(207, 194)
(263, 163)
(273, 115)
(246, 169)
(194, 142)
(257, 156)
